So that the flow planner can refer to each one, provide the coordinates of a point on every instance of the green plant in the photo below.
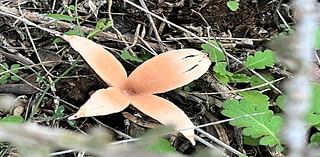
(75, 31)
(252, 113)
(126, 55)
(233, 5)
(215, 54)
(315, 139)
(61, 17)
(6, 75)
(260, 60)
(221, 72)
(260, 125)
(12, 119)
(69, 18)
(59, 112)
(101, 25)
(224, 76)
(256, 81)
(160, 145)
(189, 87)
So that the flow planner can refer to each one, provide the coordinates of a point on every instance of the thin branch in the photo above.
(155, 30)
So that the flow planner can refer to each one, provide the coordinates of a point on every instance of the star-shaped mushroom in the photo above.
(160, 74)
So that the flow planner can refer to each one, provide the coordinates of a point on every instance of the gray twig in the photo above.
(155, 31)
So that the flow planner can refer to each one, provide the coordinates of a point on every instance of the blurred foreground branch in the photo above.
(36, 141)
(298, 89)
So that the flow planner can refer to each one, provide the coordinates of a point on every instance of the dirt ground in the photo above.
(246, 30)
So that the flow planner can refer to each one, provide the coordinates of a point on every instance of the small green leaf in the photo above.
(101, 25)
(76, 31)
(251, 141)
(226, 77)
(260, 60)
(126, 55)
(317, 38)
(2, 81)
(317, 127)
(215, 54)
(221, 72)
(12, 120)
(240, 78)
(72, 123)
(233, 5)
(61, 17)
(280, 102)
(14, 68)
(256, 81)
(72, 7)
(14, 78)
(264, 125)
(57, 40)
(59, 113)
(160, 146)
(4, 78)
(315, 138)
(145, 55)
(279, 148)
(6, 65)
(255, 97)
(221, 68)
(315, 107)
(313, 117)
(187, 89)
(223, 79)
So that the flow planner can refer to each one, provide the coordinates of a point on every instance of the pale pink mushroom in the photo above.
(159, 74)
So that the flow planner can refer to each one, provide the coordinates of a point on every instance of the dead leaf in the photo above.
(159, 74)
